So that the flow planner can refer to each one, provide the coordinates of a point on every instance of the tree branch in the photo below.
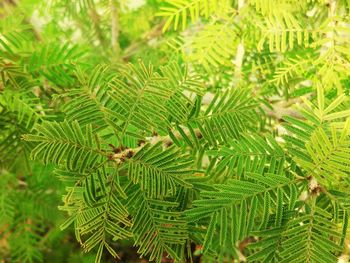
(240, 48)
(114, 27)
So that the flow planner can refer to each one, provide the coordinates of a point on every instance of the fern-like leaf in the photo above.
(166, 229)
(159, 172)
(68, 144)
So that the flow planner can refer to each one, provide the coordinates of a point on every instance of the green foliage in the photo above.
(210, 128)
(166, 229)
(161, 166)
(177, 11)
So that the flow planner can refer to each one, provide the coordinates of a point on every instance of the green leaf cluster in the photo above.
(216, 130)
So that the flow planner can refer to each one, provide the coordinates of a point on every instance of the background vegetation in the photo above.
(174, 130)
